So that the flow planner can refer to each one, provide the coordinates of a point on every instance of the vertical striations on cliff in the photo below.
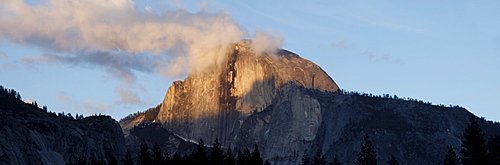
(214, 103)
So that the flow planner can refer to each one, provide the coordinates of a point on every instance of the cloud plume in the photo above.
(119, 37)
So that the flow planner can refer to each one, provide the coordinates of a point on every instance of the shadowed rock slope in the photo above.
(30, 135)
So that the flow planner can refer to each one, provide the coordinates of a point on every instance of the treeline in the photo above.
(149, 115)
(395, 97)
(200, 156)
(474, 151)
(366, 156)
(9, 98)
(9, 93)
(76, 117)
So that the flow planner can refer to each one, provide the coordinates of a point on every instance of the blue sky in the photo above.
(445, 52)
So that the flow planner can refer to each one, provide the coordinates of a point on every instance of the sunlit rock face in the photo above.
(215, 104)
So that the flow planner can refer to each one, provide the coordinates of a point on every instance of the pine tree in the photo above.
(168, 158)
(144, 154)
(82, 160)
(188, 159)
(244, 157)
(318, 158)
(494, 149)
(306, 160)
(451, 157)
(200, 155)
(18, 96)
(158, 157)
(256, 159)
(393, 161)
(97, 161)
(128, 159)
(267, 163)
(473, 146)
(177, 160)
(336, 161)
(367, 155)
(217, 155)
(112, 161)
(229, 159)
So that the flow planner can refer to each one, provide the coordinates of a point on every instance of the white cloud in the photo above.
(93, 31)
(118, 37)
(266, 43)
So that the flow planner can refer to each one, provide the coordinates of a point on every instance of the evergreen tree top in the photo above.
(367, 155)
(473, 145)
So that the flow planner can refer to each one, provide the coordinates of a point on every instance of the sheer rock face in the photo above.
(215, 103)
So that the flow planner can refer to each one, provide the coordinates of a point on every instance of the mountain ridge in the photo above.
(298, 106)
(31, 135)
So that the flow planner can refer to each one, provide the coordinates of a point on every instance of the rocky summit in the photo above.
(286, 104)
(215, 103)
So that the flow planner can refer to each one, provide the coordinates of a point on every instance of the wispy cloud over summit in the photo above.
(118, 36)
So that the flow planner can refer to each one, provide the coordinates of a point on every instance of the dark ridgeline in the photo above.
(33, 135)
